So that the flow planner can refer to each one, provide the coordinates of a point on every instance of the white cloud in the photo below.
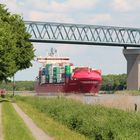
(67, 18)
(70, 11)
(38, 5)
(49, 17)
(54, 11)
(82, 4)
(122, 5)
(14, 6)
(66, 6)
(98, 18)
(58, 7)
(125, 5)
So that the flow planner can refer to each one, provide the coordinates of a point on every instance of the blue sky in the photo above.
(95, 12)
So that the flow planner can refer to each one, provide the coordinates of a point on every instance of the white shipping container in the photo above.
(50, 72)
(58, 81)
(50, 80)
(51, 69)
(43, 79)
(62, 80)
(59, 75)
(62, 70)
(50, 76)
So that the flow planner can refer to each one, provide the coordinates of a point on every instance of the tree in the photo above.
(114, 82)
(16, 52)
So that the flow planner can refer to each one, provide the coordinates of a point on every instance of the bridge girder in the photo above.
(48, 32)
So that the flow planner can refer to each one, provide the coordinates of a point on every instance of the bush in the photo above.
(2, 95)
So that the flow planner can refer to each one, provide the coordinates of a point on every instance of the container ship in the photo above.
(59, 75)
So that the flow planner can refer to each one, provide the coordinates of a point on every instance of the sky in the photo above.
(110, 60)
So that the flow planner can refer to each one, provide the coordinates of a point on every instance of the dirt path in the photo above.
(1, 134)
(36, 131)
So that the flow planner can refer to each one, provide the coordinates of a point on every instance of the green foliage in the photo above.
(15, 50)
(13, 125)
(2, 95)
(19, 85)
(114, 82)
(95, 122)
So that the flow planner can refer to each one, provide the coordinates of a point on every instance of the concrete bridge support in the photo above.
(133, 68)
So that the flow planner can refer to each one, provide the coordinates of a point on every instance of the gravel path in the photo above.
(36, 131)
(1, 134)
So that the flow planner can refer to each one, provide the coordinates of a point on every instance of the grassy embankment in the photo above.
(95, 122)
(49, 125)
(13, 125)
(128, 92)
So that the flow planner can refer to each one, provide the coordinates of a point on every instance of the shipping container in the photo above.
(68, 76)
(67, 69)
(51, 80)
(43, 79)
(43, 71)
(62, 70)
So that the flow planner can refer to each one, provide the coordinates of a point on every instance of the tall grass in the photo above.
(13, 125)
(49, 125)
(95, 122)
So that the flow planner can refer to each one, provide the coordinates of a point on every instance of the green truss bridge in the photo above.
(49, 32)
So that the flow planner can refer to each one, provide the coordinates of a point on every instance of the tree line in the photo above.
(110, 82)
(114, 82)
(18, 86)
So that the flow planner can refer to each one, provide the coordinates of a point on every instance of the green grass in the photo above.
(13, 125)
(95, 122)
(49, 125)
(129, 92)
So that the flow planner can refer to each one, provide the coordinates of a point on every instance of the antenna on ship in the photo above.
(53, 52)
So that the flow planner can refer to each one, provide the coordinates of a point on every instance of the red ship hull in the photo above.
(71, 87)
(83, 81)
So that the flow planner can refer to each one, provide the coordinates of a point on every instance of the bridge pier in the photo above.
(133, 68)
